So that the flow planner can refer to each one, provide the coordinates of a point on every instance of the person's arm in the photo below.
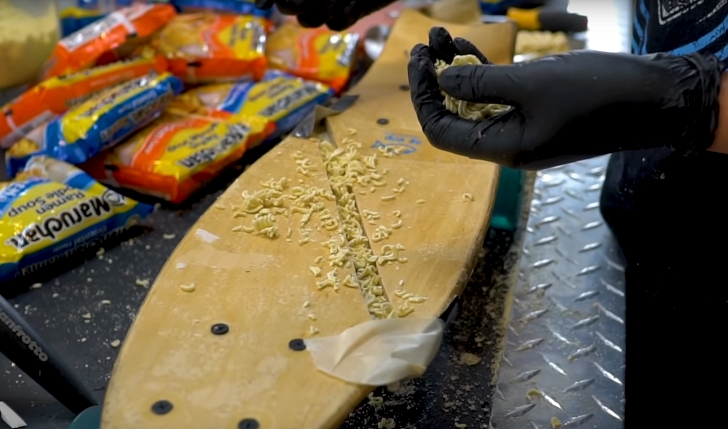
(720, 143)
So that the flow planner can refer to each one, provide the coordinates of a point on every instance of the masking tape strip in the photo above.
(10, 417)
(379, 352)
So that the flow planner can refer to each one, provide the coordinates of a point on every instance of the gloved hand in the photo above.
(338, 15)
(566, 107)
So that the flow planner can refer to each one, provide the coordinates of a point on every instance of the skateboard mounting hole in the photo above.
(220, 329)
(404, 87)
(382, 121)
(162, 407)
(297, 345)
(248, 424)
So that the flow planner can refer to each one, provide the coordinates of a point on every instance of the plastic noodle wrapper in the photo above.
(75, 18)
(83, 49)
(53, 211)
(56, 95)
(237, 7)
(210, 47)
(98, 123)
(317, 54)
(176, 155)
(279, 97)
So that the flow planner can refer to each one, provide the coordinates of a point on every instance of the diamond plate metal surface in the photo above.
(563, 364)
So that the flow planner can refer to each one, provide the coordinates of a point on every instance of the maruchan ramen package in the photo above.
(177, 155)
(82, 49)
(238, 7)
(53, 211)
(279, 97)
(317, 54)
(98, 123)
(209, 47)
(56, 95)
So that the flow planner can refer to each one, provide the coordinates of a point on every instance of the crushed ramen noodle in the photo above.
(467, 109)
(98, 123)
(53, 211)
(541, 43)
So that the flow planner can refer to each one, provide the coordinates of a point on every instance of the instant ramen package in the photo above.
(209, 47)
(178, 154)
(56, 95)
(98, 123)
(83, 49)
(52, 211)
(283, 99)
(317, 54)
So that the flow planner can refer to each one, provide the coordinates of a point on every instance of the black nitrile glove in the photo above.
(566, 107)
(338, 15)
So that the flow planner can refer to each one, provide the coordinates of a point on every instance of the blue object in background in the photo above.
(507, 208)
(497, 7)
(500, 7)
(88, 4)
(90, 418)
(72, 24)
(242, 7)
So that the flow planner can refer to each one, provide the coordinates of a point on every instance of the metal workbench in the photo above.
(560, 356)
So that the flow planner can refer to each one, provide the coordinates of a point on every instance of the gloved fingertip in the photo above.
(340, 23)
(264, 4)
(442, 44)
(419, 49)
(287, 8)
(312, 20)
(465, 47)
(336, 26)
(303, 22)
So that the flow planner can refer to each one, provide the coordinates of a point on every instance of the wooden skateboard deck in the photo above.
(211, 346)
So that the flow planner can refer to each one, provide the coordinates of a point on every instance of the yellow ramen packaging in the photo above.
(56, 95)
(98, 123)
(208, 47)
(53, 211)
(317, 54)
(176, 155)
(279, 97)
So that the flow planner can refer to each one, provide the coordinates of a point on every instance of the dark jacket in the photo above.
(669, 212)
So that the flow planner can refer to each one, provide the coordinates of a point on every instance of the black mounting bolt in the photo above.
(382, 121)
(162, 407)
(404, 88)
(297, 344)
(248, 424)
(220, 329)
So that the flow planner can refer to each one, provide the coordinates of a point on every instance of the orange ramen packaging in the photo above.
(178, 154)
(56, 95)
(208, 47)
(317, 54)
(82, 49)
